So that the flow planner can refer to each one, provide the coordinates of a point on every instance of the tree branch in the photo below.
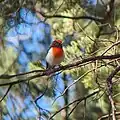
(6, 93)
(106, 116)
(114, 44)
(38, 73)
(77, 100)
(69, 17)
(109, 85)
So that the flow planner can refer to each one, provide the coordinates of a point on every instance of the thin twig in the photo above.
(77, 100)
(69, 17)
(84, 115)
(75, 81)
(85, 33)
(109, 90)
(106, 116)
(116, 43)
(73, 108)
(6, 93)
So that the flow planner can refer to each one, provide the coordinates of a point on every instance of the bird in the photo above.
(55, 54)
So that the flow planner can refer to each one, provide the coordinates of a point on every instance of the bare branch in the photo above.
(106, 116)
(109, 85)
(116, 43)
(109, 33)
(6, 93)
(77, 100)
(75, 81)
(78, 79)
(69, 17)
(39, 73)
(74, 108)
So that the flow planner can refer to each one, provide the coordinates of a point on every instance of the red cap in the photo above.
(59, 41)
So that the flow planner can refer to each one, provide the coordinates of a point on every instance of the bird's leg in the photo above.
(50, 69)
(57, 66)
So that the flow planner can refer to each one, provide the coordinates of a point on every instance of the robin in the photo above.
(55, 54)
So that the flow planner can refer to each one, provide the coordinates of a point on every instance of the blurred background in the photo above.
(27, 28)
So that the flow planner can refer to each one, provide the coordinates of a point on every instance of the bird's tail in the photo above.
(47, 65)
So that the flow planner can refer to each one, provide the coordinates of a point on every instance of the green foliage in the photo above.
(8, 61)
(89, 82)
(94, 37)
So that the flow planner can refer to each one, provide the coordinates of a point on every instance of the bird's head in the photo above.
(57, 43)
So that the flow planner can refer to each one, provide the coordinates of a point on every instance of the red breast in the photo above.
(57, 52)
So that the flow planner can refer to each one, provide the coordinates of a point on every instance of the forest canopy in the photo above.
(86, 84)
